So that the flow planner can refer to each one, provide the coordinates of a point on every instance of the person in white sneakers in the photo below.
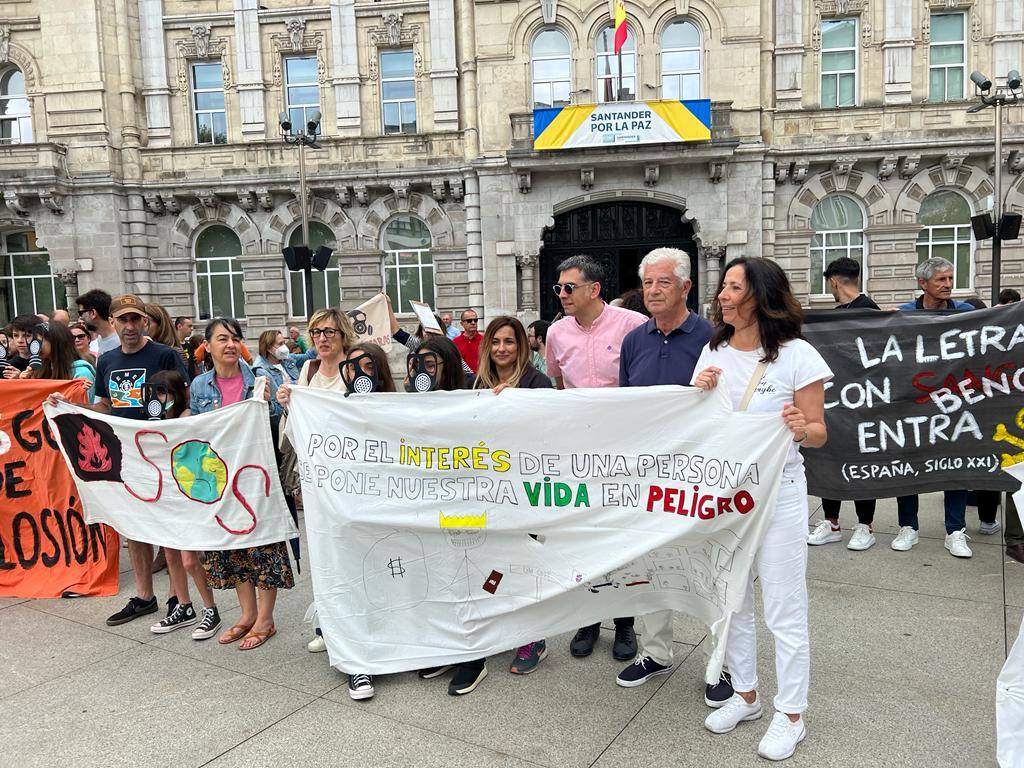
(828, 531)
(767, 367)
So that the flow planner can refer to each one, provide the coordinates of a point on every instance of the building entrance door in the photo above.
(618, 235)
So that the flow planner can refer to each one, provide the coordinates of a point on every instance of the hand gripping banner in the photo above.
(46, 546)
(449, 526)
(205, 482)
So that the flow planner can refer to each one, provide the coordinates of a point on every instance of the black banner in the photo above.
(921, 401)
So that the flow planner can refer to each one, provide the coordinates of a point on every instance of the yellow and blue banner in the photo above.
(621, 123)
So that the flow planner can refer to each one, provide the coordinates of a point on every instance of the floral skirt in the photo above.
(267, 567)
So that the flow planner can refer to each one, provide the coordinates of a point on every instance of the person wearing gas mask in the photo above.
(52, 355)
(366, 370)
(16, 359)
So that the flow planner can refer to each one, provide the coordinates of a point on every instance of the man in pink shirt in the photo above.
(583, 351)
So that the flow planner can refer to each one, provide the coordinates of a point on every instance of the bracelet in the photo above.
(802, 438)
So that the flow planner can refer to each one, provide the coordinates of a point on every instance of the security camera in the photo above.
(314, 122)
(1013, 80)
(285, 121)
(982, 82)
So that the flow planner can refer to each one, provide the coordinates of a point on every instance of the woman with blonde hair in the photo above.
(505, 358)
(161, 328)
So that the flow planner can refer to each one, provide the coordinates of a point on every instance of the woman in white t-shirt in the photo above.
(757, 336)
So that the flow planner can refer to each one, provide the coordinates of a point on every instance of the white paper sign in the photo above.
(426, 316)
(205, 482)
(449, 526)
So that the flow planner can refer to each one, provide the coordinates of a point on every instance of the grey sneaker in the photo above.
(987, 529)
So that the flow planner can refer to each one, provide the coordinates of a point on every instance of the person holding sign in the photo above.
(935, 279)
(757, 354)
(505, 362)
(265, 568)
(583, 351)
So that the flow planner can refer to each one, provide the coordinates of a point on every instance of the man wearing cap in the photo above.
(121, 376)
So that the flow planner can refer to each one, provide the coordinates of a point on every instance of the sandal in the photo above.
(262, 637)
(234, 634)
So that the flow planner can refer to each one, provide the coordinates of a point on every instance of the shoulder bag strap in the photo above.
(754, 380)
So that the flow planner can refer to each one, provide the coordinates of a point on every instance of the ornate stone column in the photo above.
(527, 263)
(713, 256)
(69, 278)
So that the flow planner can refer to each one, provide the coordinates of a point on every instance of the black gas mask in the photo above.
(152, 404)
(35, 346)
(422, 367)
(361, 375)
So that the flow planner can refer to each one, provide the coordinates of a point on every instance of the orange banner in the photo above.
(46, 548)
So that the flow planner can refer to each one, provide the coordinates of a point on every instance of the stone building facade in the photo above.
(142, 149)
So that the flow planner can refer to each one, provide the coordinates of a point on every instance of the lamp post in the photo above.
(996, 227)
(301, 257)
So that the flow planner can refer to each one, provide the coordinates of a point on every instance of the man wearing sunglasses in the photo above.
(468, 342)
(583, 351)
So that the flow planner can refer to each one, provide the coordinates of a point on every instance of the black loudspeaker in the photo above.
(296, 257)
(322, 257)
(983, 227)
(1009, 226)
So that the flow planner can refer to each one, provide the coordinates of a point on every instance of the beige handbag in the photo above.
(755, 379)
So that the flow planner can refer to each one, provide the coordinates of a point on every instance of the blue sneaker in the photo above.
(528, 657)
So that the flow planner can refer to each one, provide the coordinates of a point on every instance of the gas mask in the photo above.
(357, 379)
(35, 346)
(422, 367)
(152, 404)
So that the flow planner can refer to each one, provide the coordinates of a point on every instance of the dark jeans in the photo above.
(988, 505)
(865, 510)
(954, 503)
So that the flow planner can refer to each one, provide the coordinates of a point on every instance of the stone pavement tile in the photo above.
(1014, 627)
(873, 702)
(928, 568)
(331, 735)
(36, 647)
(143, 707)
(283, 660)
(1014, 582)
(7, 602)
(563, 714)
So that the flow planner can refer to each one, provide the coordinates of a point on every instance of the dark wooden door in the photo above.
(618, 235)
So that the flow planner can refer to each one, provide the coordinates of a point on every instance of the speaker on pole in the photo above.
(983, 226)
(1009, 226)
(322, 257)
(296, 257)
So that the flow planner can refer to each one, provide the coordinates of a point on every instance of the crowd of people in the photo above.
(751, 346)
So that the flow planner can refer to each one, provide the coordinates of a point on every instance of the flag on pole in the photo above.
(620, 25)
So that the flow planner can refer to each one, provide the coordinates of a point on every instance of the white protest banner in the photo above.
(371, 323)
(448, 526)
(204, 482)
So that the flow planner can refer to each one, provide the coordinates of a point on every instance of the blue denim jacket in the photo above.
(204, 395)
(292, 366)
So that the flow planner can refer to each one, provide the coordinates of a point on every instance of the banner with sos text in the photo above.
(205, 482)
(46, 546)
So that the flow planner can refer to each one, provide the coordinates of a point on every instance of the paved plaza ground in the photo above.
(905, 650)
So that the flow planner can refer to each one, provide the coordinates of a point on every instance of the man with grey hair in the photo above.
(935, 279)
(583, 351)
(664, 350)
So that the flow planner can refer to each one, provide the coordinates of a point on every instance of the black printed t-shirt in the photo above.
(121, 378)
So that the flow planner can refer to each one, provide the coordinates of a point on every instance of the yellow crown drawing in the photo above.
(462, 521)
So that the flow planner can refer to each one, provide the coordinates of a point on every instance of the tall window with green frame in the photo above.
(408, 263)
(946, 57)
(219, 274)
(945, 217)
(839, 63)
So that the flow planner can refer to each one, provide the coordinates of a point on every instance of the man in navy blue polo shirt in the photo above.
(664, 350)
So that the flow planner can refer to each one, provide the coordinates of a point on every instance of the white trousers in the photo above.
(781, 563)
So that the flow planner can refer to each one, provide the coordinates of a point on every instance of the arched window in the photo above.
(838, 225)
(551, 68)
(15, 120)
(326, 284)
(219, 273)
(408, 264)
(946, 232)
(680, 61)
(607, 66)
(27, 286)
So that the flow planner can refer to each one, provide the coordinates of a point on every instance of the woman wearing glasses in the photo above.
(81, 337)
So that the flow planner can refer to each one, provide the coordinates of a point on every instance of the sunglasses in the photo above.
(472, 320)
(77, 336)
(567, 287)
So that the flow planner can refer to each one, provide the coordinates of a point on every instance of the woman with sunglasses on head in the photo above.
(505, 362)
(60, 359)
(768, 367)
(81, 336)
(168, 387)
(437, 367)
(254, 571)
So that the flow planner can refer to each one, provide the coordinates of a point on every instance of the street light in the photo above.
(1006, 226)
(299, 257)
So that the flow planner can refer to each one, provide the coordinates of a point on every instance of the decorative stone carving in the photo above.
(393, 25)
(362, 194)
(265, 199)
(392, 32)
(549, 10)
(952, 162)
(343, 196)
(587, 178)
(401, 188)
(716, 171)
(949, 5)
(833, 8)
(651, 174)
(296, 29)
(201, 36)
(781, 172)
(5, 43)
(527, 259)
(154, 204)
(1015, 161)
(457, 189)
(16, 202)
(525, 182)
(437, 189)
(208, 199)
(841, 168)
(887, 166)
(170, 203)
(975, 27)
(247, 200)
(52, 199)
(800, 169)
(908, 165)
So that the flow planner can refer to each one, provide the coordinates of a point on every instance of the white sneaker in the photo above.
(782, 737)
(317, 645)
(862, 538)
(956, 543)
(987, 529)
(905, 539)
(824, 533)
(731, 714)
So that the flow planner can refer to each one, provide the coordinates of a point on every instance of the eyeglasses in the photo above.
(327, 333)
(78, 336)
(472, 320)
(568, 287)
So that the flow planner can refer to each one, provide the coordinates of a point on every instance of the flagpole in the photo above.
(618, 93)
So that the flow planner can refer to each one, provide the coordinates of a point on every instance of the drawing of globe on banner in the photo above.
(199, 471)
